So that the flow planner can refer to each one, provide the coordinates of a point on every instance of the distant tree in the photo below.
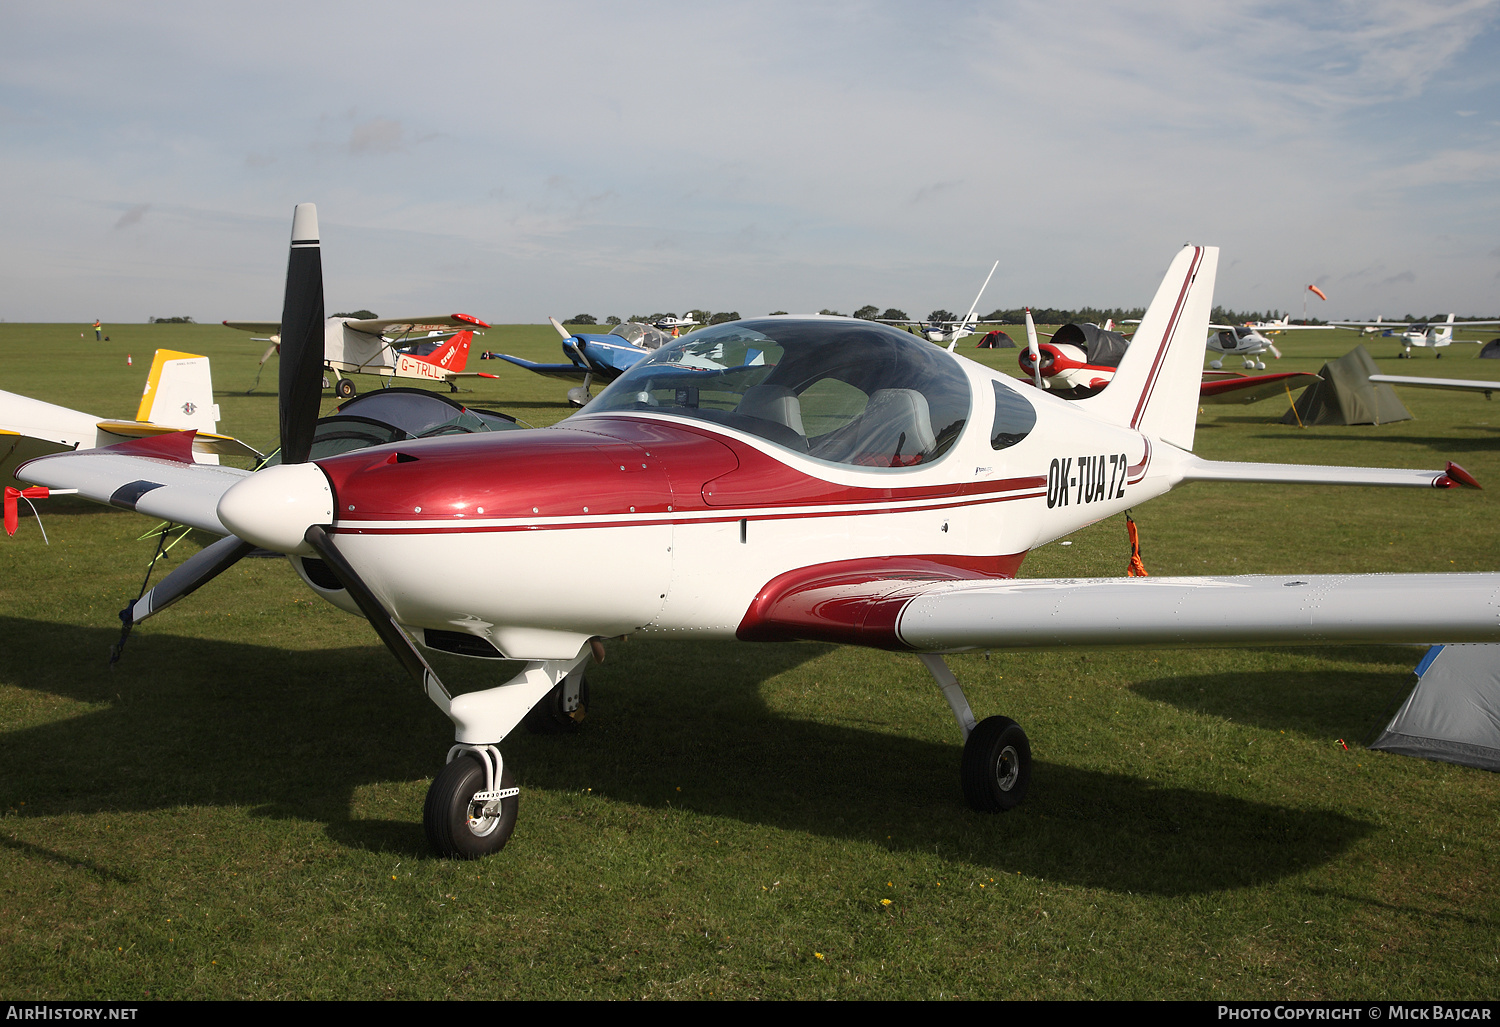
(363, 315)
(775, 312)
(892, 314)
(867, 313)
(173, 321)
(611, 320)
(701, 316)
(830, 313)
(582, 319)
(942, 315)
(724, 316)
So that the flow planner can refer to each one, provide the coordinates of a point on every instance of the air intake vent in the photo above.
(461, 643)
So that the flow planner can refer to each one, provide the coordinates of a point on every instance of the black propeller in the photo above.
(301, 387)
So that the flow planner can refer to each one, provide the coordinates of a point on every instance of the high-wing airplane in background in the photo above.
(434, 349)
(179, 394)
(767, 479)
(950, 332)
(1418, 334)
(602, 357)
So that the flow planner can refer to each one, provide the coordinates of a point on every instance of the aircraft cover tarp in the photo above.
(1102, 348)
(1347, 396)
(1454, 712)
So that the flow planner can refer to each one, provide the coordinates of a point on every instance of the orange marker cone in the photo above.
(128, 361)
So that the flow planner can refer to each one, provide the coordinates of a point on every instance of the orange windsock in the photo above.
(1316, 292)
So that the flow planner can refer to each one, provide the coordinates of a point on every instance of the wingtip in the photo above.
(1461, 476)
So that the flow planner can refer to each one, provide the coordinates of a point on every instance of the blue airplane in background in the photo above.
(605, 357)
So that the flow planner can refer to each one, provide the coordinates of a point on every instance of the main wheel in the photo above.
(550, 716)
(996, 765)
(344, 389)
(459, 827)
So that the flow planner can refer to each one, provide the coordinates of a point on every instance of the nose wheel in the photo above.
(468, 813)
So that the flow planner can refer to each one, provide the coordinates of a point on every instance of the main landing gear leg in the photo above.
(471, 805)
(996, 765)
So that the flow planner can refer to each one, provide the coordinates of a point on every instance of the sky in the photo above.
(515, 161)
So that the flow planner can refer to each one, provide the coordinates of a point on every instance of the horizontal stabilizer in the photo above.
(1197, 469)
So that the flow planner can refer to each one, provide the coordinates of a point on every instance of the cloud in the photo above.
(382, 135)
(256, 160)
(928, 192)
(1404, 278)
(132, 216)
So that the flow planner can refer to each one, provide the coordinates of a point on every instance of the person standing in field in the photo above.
(98, 331)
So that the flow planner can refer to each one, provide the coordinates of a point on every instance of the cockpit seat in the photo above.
(898, 423)
(773, 403)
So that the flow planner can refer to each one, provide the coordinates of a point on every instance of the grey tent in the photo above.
(1491, 350)
(1347, 396)
(995, 340)
(1454, 712)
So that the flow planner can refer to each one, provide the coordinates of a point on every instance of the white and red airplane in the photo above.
(1080, 359)
(777, 478)
(434, 349)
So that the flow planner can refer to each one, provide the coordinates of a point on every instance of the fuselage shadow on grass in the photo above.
(190, 722)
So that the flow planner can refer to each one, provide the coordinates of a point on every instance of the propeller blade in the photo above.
(1036, 353)
(560, 329)
(194, 573)
(1274, 351)
(301, 380)
(391, 633)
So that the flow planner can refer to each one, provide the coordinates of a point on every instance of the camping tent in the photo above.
(1347, 396)
(1491, 350)
(995, 340)
(1453, 714)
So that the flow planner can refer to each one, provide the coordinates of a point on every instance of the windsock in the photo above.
(1317, 292)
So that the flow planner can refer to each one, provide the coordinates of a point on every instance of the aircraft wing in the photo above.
(1464, 385)
(568, 372)
(258, 327)
(154, 476)
(1239, 388)
(407, 325)
(1275, 327)
(928, 614)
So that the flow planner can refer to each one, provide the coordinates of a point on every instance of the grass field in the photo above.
(235, 810)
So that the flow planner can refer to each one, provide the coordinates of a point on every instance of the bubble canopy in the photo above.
(849, 392)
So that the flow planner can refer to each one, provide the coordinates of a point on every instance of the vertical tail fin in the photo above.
(1155, 390)
(452, 355)
(179, 392)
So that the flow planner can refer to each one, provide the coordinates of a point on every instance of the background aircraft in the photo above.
(179, 394)
(383, 346)
(604, 357)
(672, 323)
(1419, 334)
(781, 478)
(1080, 359)
(946, 331)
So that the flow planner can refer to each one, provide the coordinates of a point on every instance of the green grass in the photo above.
(234, 810)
